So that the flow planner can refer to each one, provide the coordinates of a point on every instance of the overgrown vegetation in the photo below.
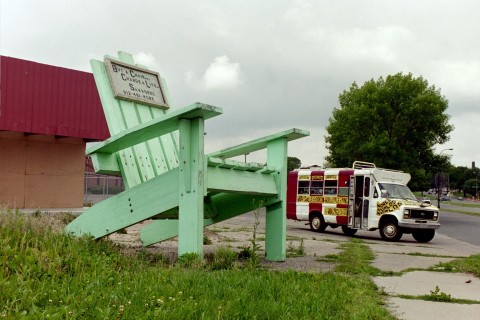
(47, 274)
(468, 265)
(439, 296)
(355, 259)
(294, 251)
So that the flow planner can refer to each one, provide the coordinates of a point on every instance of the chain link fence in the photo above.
(99, 187)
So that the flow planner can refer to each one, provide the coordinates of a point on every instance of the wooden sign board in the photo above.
(135, 84)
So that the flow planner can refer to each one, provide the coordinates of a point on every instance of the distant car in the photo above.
(445, 198)
(425, 200)
(460, 198)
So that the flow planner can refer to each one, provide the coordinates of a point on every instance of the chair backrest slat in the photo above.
(145, 160)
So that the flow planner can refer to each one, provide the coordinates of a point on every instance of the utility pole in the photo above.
(438, 178)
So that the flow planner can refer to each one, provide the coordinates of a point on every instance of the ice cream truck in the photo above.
(363, 197)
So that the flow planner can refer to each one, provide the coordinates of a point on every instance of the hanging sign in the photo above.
(135, 84)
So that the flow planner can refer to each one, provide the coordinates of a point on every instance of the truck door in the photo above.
(358, 201)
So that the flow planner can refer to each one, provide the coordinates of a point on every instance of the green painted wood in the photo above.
(191, 186)
(129, 207)
(236, 165)
(154, 128)
(105, 163)
(168, 142)
(226, 206)
(259, 144)
(141, 162)
(236, 181)
(276, 215)
(114, 121)
(135, 114)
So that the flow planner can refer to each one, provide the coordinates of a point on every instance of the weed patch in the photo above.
(468, 265)
(439, 296)
(294, 251)
(355, 258)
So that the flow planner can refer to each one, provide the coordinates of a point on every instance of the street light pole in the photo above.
(438, 177)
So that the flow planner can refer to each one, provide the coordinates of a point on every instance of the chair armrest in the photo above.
(154, 128)
(259, 144)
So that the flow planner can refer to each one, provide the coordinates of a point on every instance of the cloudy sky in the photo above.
(271, 65)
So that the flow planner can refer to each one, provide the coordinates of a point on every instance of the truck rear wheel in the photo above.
(389, 230)
(317, 223)
(423, 236)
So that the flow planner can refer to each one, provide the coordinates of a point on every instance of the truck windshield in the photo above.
(396, 191)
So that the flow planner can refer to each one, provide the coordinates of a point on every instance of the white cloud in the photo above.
(222, 74)
(381, 43)
(464, 139)
(146, 59)
(462, 78)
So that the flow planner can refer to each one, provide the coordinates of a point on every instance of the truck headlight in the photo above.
(406, 214)
(435, 215)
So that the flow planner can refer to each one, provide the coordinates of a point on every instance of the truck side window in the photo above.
(303, 187)
(316, 188)
(366, 190)
(375, 192)
(343, 192)
(330, 187)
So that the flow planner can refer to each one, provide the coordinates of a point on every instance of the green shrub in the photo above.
(223, 259)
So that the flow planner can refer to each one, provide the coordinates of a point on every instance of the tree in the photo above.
(393, 122)
(458, 176)
(293, 163)
(471, 187)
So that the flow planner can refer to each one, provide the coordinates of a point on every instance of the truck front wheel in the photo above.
(389, 230)
(317, 223)
(423, 236)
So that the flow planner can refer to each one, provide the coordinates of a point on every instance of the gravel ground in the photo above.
(237, 233)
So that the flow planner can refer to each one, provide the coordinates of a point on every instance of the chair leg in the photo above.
(191, 187)
(276, 215)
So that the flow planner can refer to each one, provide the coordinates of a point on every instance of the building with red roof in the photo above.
(47, 114)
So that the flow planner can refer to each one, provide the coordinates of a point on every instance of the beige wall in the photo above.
(39, 171)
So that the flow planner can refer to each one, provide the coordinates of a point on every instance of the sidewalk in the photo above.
(416, 283)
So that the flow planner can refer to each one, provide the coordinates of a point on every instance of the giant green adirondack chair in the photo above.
(169, 179)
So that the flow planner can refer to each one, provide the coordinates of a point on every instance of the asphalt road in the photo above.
(460, 226)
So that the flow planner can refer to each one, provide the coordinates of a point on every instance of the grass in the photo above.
(465, 204)
(47, 274)
(461, 211)
(438, 296)
(467, 265)
(355, 258)
(419, 254)
(294, 251)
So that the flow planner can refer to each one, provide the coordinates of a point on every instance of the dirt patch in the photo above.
(232, 235)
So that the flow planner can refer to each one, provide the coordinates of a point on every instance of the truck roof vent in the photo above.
(363, 165)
